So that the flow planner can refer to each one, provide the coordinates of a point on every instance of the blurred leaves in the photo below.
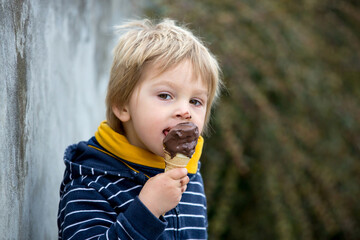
(283, 159)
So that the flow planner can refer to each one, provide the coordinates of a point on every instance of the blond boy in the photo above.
(114, 185)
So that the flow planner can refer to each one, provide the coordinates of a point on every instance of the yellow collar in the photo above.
(118, 145)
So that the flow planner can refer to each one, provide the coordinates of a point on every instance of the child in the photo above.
(114, 185)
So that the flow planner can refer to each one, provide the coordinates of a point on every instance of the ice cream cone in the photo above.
(178, 161)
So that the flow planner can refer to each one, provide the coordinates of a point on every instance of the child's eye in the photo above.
(196, 102)
(164, 96)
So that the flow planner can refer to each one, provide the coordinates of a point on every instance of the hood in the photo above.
(83, 160)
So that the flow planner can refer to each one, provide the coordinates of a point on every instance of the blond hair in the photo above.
(165, 43)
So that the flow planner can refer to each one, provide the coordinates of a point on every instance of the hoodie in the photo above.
(99, 193)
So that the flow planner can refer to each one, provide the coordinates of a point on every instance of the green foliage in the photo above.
(283, 159)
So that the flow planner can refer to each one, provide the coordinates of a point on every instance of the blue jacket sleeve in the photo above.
(84, 213)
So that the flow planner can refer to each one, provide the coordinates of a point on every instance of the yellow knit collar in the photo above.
(118, 145)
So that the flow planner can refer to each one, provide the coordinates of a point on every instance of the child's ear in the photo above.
(122, 113)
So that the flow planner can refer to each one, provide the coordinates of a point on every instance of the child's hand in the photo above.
(163, 192)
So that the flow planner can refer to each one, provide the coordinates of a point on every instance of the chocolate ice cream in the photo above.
(182, 139)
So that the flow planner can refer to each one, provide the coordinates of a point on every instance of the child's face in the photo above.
(161, 101)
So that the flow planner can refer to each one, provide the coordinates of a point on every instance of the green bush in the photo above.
(283, 161)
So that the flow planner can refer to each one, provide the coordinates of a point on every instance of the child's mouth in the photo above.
(166, 131)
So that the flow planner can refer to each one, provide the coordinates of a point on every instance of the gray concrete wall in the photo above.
(54, 62)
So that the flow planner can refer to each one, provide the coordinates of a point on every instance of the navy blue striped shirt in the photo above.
(99, 200)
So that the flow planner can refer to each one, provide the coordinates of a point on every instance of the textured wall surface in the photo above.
(54, 62)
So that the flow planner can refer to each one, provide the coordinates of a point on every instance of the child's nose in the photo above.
(183, 112)
(185, 115)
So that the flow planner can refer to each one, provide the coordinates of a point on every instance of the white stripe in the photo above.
(127, 190)
(192, 228)
(85, 211)
(89, 220)
(186, 228)
(114, 182)
(129, 201)
(192, 215)
(194, 193)
(198, 183)
(98, 178)
(76, 189)
(80, 169)
(170, 229)
(80, 200)
(92, 171)
(185, 215)
(84, 229)
(124, 229)
(96, 181)
(193, 204)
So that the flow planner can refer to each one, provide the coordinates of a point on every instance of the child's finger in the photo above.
(185, 180)
(177, 173)
(183, 188)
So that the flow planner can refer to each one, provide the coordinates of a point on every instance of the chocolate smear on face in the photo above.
(182, 139)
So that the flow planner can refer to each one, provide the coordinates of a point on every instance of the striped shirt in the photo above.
(99, 200)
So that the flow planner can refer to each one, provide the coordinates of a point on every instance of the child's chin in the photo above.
(159, 153)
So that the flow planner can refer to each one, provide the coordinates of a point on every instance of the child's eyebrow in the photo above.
(164, 83)
(202, 91)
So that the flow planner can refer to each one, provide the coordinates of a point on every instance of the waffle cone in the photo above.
(178, 161)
